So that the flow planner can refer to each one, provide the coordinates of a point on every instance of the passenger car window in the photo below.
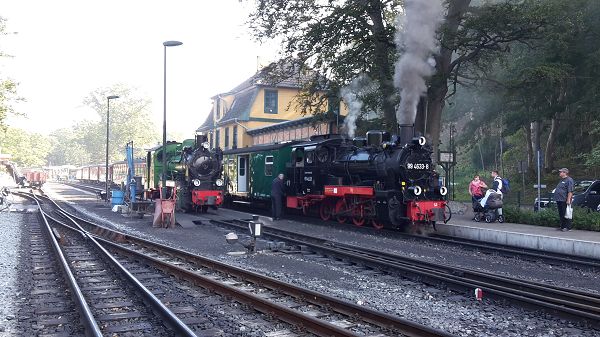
(269, 166)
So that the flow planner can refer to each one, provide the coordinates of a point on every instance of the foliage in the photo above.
(8, 88)
(130, 120)
(27, 149)
(85, 143)
(582, 218)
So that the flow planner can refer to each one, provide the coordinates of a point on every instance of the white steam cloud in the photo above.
(351, 94)
(416, 37)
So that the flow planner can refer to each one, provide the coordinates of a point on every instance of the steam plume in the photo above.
(416, 36)
(351, 94)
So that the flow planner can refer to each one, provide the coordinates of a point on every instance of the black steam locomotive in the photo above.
(382, 179)
(203, 170)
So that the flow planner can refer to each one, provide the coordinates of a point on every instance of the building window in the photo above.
(217, 139)
(270, 101)
(333, 105)
(218, 108)
(269, 166)
(235, 136)
(227, 138)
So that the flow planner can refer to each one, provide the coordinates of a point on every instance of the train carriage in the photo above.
(249, 171)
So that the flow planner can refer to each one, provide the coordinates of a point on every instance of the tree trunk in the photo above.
(527, 129)
(430, 125)
(536, 130)
(550, 145)
(382, 69)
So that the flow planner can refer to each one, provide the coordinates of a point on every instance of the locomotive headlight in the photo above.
(205, 145)
(416, 190)
(443, 190)
(196, 182)
(420, 140)
(219, 182)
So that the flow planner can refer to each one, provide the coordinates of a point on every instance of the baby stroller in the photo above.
(490, 211)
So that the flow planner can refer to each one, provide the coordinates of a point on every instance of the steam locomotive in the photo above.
(382, 180)
(203, 174)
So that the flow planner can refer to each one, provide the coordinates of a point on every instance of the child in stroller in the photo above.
(487, 207)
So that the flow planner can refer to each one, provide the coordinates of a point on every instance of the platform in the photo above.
(575, 242)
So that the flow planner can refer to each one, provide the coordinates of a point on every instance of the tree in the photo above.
(8, 88)
(27, 149)
(130, 120)
(342, 39)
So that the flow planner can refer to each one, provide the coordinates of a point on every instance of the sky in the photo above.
(65, 49)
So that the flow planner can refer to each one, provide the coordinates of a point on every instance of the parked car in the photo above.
(546, 201)
(587, 194)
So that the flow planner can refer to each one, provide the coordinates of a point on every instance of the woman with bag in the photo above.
(563, 195)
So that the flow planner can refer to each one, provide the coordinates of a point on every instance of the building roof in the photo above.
(275, 75)
(286, 124)
(240, 109)
(285, 75)
(208, 123)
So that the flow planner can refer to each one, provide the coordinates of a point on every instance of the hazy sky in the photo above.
(65, 49)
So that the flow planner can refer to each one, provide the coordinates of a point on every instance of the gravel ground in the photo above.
(10, 246)
(456, 313)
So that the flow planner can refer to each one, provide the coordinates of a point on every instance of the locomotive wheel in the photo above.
(358, 220)
(358, 216)
(341, 207)
(325, 210)
(375, 224)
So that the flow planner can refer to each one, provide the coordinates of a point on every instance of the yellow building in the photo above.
(257, 113)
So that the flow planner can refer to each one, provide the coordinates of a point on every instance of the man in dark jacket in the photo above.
(277, 192)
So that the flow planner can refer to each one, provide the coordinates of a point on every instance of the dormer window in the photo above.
(218, 108)
(270, 101)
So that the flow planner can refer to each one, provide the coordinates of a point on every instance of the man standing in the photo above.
(277, 197)
(563, 195)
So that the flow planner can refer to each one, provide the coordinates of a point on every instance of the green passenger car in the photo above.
(249, 171)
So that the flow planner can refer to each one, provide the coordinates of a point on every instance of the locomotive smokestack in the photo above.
(406, 133)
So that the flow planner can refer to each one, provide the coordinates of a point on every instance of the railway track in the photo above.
(565, 302)
(480, 246)
(110, 300)
(307, 310)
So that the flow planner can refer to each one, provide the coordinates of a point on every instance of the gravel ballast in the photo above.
(456, 313)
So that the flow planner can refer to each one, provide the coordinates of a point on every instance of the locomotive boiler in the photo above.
(381, 179)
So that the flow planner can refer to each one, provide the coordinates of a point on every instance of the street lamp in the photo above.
(164, 147)
(107, 123)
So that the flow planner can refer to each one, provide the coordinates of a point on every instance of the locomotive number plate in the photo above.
(417, 166)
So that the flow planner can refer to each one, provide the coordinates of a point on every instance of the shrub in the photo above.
(583, 218)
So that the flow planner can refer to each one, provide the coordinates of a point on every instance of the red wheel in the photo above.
(358, 216)
(341, 207)
(325, 210)
(359, 221)
(376, 224)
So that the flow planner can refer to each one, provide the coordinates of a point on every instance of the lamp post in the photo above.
(107, 124)
(164, 147)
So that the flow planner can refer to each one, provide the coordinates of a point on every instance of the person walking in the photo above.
(563, 195)
(277, 192)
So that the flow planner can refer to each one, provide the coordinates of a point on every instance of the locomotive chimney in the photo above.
(201, 138)
(406, 133)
